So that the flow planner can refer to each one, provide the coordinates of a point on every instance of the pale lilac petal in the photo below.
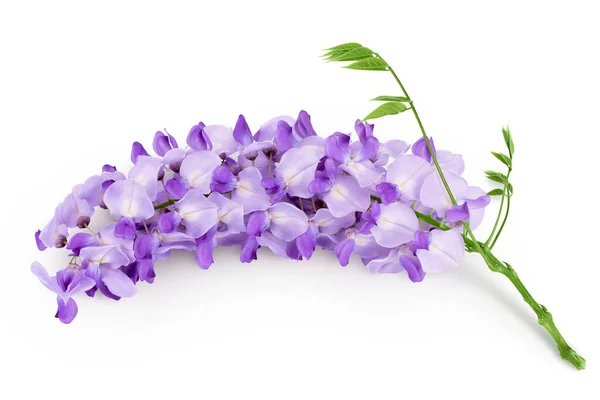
(229, 212)
(222, 139)
(198, 214)
(174, 241)
(287, 221)
(329, 224)
(267, 130)
(41, 273)
(173, 160)
(365, 172)
(145, 172)
(91, 190)
(249, 191)
(387, 264)
(446, 250)
(408, 173)
(128, 199)
(316, 144)
(54, 234)
(118, 282)
(111, 256)
(365, 246)
(204, 253)
(451, 162)
(434, 194)
(391, 149)
(346, 196)
(197, 169)
(297, 169)
(276, 245)
(73, 207)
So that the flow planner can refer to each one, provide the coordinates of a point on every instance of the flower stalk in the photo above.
(545, 318)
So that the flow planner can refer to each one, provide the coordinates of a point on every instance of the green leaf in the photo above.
(369, 64)
(334, 53)
(359, 53)
(495, 176)
(495, 192)
(400, 99)
(345, 46)
(390, 108)
(508, 140)
(504, 159)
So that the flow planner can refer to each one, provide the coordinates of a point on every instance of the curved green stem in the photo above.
(503, 221)
(505, 196)
(472, 245)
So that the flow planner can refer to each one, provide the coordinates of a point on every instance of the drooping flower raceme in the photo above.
(284, 188)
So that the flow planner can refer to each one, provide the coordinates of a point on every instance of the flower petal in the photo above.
(287, 221)
(297, 169)
(346, 196)
(446, 250)
(198, 214)
(128, 199)
(249, 191)
(197, 169)
(408, 172)
(118, 282)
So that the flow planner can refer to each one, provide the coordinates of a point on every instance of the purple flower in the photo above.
(303, 125)
(197, 139)
(65, 284)
(223, 180)
(197, 169)
(163, 143)
(197, 214)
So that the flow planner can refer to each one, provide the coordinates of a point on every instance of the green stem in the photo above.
(495, 265)
(165, 204)
(504, 220)
(504, 197)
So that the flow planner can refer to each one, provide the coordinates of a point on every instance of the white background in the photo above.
(80, 82)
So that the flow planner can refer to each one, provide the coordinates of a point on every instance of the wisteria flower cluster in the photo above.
(396, 206)
(283, 187)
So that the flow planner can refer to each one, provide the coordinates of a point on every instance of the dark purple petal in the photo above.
(248, 252)
(420, 241)
(223, 180)
(412, 265)
(343, 250)
(319, 186)
(307, 242)
(258, 222)
(145, 270)
(241, 131)
(176, 188)
(458, 213)
(66, 311)
(109, 168)
(40, 245)
(137, 150)
(337, 146)
(80, 240)
(388, 192)
(197, 139)
(143, 247)
(283, 136)
(374, 213)
(369, 150)
(204, 253)
(125, 228)
(168, 222)
(303, 125)
(100, 285)
(364, 131)
(163, 143)
(106, 184)
(292, 251)
(272, 185)
(419, 148)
